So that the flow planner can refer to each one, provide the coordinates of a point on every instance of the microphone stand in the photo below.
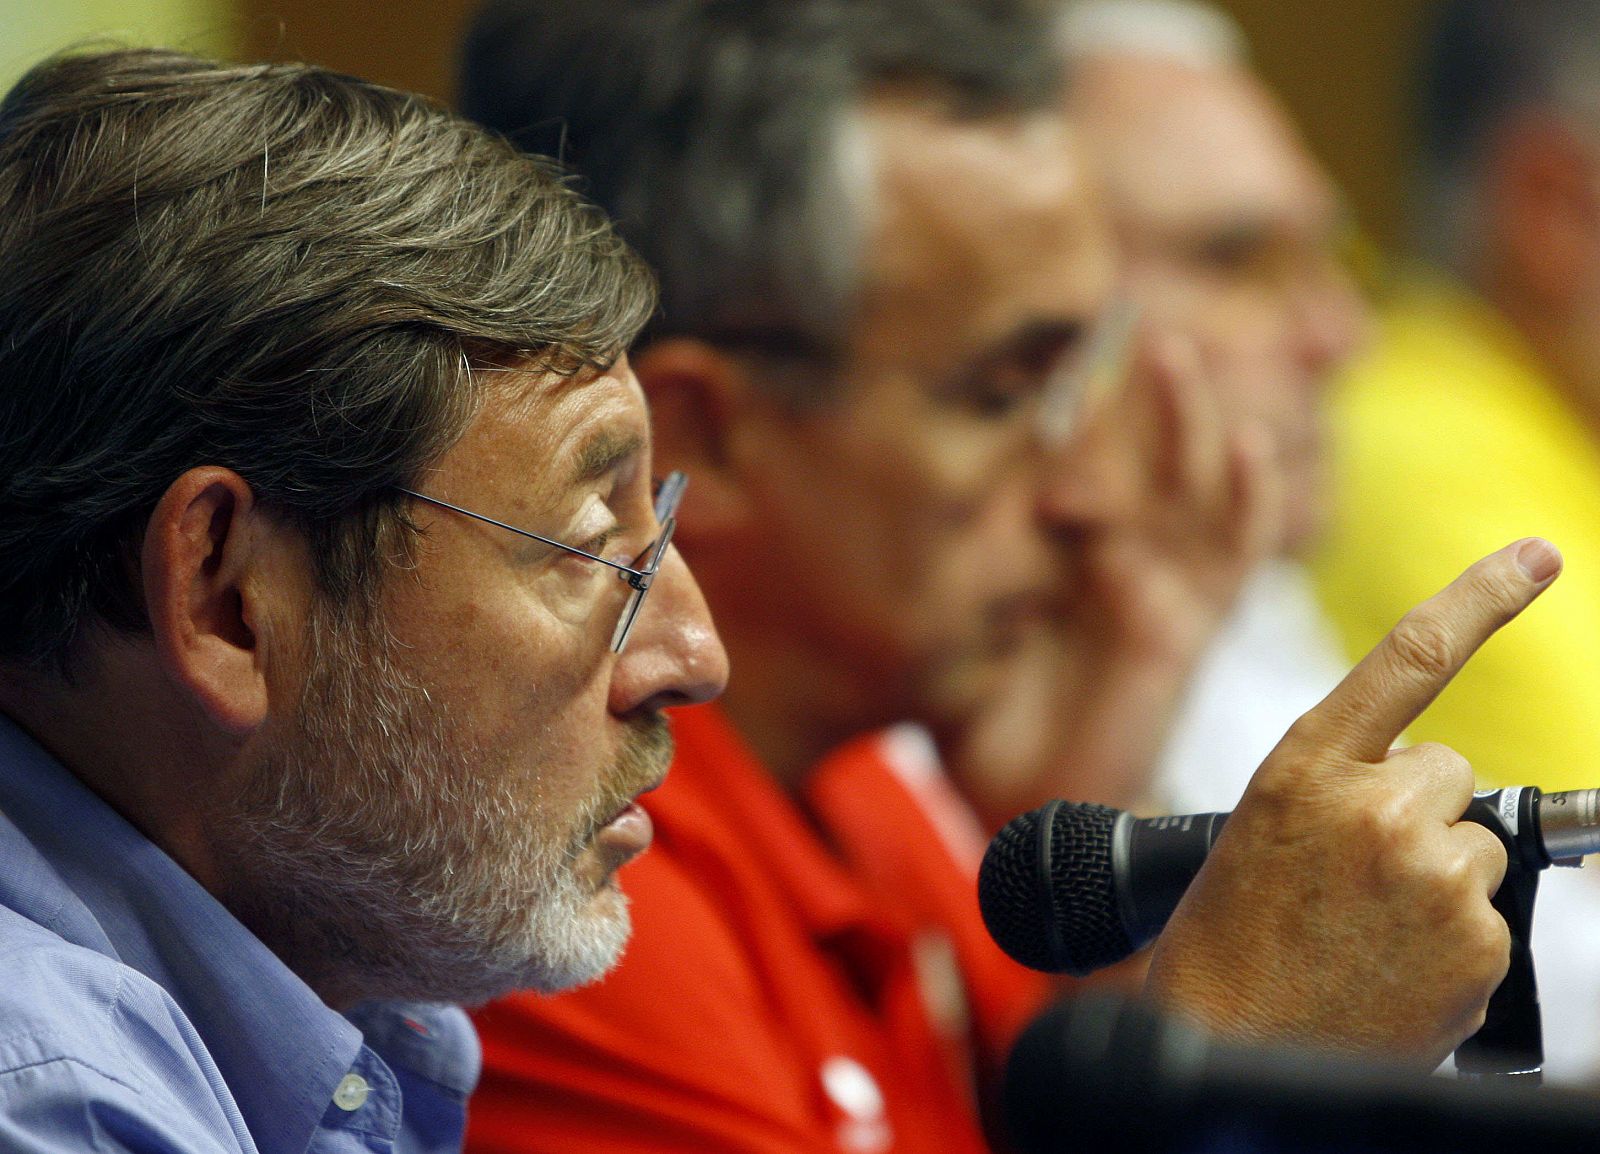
(1510, 1044)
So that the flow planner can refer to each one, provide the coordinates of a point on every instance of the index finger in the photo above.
(1367, 711)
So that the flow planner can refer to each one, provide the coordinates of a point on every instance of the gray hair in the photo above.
(721, 134)
(1200, 35)
(1486, 60)
(273, 268)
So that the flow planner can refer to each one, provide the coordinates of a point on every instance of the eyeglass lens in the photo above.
(666, 508)
(1091, 375)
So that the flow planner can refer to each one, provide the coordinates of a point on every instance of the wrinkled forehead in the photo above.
(979, 222)
(538, 435)
(1182, 144)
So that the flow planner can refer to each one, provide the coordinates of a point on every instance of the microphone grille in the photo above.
(1047, 892)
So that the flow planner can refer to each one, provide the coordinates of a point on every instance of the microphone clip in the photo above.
(1510, 1043)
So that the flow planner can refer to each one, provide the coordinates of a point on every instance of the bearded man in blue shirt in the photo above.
(321, 702)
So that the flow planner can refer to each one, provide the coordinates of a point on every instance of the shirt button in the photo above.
(352, 1092)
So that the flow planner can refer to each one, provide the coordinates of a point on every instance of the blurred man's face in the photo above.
(1229, 230)
(451, 799)
(903, 515)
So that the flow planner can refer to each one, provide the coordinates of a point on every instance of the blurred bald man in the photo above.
(1229, 230)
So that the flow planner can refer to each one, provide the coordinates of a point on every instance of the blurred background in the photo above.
(1345, 69)
(1342, 67)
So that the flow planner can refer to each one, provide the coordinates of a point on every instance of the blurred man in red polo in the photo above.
(878, 251)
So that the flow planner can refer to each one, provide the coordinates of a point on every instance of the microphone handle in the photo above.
(1154, 859)
(1510, 1043)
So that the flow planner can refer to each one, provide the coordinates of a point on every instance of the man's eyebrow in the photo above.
(602, 453)
(1034, 343)
(1043, 337)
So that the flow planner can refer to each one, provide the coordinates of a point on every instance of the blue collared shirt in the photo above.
(136, 1013)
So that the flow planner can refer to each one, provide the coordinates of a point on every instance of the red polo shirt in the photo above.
(812, 979)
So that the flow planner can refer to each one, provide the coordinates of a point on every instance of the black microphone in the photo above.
(1101, 1073)
(1072, 887)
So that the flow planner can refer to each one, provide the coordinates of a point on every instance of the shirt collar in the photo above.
(280, 1049)
(730, 779)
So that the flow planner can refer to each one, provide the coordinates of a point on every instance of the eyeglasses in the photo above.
(669, 492)
(1086, 378)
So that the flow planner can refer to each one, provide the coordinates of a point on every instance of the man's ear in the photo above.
(1548, 202)
(699, 396)
(207, 551)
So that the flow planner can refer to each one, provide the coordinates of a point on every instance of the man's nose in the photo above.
(1089, 482)
(1332, 321)
(674, 656)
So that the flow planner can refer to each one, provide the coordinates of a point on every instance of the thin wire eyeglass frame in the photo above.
(639, 578)
(1085, 380)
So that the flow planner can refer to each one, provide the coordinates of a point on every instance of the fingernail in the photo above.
(1539, 559)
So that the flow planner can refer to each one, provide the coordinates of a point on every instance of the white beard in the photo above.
(380, 848)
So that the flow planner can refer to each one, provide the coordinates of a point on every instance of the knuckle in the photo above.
(1457, 768)
(1492, 587)
(1298, 738)
(1431, 751)
(1394, 860)
(1483, 845)
(1307, 741)
(1383, 825)
(1493, 952)
(1449, 759)
(1279, 784)
(1444, 768)
(1423, 643)
(1454, 880)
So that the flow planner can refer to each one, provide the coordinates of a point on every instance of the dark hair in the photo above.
(272, 268)
(716, 132)
(1483, 60)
